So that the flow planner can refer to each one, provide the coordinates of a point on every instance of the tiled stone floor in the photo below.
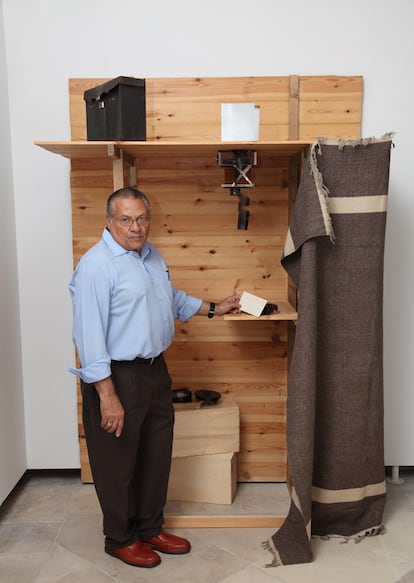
(51, 532)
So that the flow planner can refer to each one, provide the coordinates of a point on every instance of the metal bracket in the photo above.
(242, 161)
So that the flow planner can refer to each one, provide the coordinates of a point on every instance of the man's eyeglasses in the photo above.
(127, 222)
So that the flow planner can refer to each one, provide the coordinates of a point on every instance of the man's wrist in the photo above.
(105, 387)
(211, 310)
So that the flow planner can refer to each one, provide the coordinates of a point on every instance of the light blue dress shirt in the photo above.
(124, 306)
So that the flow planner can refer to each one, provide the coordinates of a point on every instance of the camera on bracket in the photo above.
(242, 161)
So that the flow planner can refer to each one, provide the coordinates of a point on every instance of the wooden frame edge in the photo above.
(223, 521)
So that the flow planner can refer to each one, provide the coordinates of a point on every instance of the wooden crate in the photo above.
(211, 429)
(204, 478)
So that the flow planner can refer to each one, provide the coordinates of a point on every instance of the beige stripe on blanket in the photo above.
(347, 495)
(357, 204)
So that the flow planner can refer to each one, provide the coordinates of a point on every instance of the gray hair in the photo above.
(127, 192)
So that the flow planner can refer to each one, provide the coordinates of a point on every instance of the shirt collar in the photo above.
(118, 250)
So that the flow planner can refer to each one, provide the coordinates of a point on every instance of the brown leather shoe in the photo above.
(169, 543)
(138, 555)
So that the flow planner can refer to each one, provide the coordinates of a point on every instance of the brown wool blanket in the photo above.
(334, 253)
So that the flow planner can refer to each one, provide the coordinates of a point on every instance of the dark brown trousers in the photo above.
(131, 472)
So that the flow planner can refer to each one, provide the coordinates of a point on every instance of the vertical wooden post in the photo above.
(294, 82)
(119, 159)
(132, 173)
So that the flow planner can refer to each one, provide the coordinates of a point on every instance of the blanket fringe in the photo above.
(357, 537)
(323, 192)
(341, 143)
(269, 545)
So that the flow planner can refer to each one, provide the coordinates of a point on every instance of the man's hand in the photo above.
(230, 305)
(112, 412)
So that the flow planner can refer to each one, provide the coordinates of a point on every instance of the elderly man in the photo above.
(124, 306)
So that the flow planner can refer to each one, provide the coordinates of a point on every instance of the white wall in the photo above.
(12, 431)
(49, 41)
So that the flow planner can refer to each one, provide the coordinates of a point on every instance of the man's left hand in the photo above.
(230, 305)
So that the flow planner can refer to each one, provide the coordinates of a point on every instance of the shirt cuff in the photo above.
(93, 373)
(191, 307)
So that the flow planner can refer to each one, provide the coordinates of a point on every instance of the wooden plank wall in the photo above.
(189, 108)
(195, 227)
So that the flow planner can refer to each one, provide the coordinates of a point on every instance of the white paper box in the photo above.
(252, 304)
(240, 122)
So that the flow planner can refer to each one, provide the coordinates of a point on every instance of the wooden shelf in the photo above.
(89, 149)
(285, 312)
(224, 521)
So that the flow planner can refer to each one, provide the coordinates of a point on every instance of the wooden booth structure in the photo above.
(195, 227)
